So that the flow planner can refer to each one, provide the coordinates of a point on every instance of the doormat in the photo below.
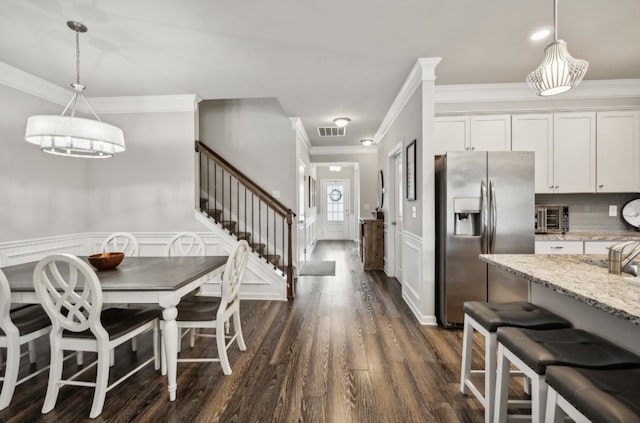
(318, 268)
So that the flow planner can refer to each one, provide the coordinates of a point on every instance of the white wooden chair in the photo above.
(121, 242)
(186, 244)
(212, 313)
(70, 293)
(18, 327)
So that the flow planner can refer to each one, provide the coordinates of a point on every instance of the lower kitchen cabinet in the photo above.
(559, 247)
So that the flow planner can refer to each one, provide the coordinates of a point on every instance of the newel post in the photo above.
(290, 287)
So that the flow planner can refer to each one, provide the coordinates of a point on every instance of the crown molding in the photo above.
(423, 70)
(599, 89)
(344, 149)
(38, 87)
(301, 133)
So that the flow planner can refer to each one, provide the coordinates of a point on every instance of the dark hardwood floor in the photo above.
(347, 349)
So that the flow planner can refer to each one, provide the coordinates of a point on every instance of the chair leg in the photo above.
(10, 374)
(192, 337)
(134, 344)
(112, 357)
(55, 373)
(79, 358)
(467, 343)
(222, 349)
(156, 346)
(489, 376)
(1, 359)
(102, 378)
(553, 413)
(538, 399)
(502, 388)
(163, 354)
(238, 330)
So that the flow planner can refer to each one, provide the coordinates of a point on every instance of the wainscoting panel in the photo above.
(412, 277)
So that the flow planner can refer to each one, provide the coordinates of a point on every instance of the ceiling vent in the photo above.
(331, 131)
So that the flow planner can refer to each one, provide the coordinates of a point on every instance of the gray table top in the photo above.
(133, 274)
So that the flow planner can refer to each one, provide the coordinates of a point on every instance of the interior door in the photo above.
(398, 197)
(335, 209)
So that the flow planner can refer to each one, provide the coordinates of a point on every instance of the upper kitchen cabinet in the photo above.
(490, 133)
(574, 152)
(534, 132)
(618, 151)
(451, 134)
(481, 133)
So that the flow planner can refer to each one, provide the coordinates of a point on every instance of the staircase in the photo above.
(246, 211)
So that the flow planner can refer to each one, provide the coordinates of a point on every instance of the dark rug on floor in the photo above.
(318, 268)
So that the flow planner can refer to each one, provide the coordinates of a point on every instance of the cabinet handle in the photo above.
(600, 186)
(553, 247)
(557, 186)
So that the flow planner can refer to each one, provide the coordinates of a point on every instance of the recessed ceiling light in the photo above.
(341, 122)
(540, 34)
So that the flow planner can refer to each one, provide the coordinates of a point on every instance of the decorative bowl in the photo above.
(106, 261)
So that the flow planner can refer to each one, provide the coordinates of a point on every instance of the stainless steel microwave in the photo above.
(552, 219)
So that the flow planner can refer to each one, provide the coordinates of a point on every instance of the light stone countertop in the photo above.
(573, 276)
(591, 236)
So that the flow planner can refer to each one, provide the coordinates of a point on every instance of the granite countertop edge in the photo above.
(558, 287)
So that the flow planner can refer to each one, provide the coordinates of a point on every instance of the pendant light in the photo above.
(71, 135)
(558, 72)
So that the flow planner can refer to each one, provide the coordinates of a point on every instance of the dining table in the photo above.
(139, 280)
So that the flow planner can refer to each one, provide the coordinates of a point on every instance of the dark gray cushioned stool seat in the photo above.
(611, 396)
(491, 316)
(118, 321)
(571, 347)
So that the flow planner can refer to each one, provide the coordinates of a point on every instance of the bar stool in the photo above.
(531, 351)
(485, 318)
(588, 395)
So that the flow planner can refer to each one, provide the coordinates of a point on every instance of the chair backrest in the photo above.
(186, 244)
(70, 293)
(5, 302)
(123, 242)
(234, 272)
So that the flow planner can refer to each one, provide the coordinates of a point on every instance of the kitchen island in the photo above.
(581, 289)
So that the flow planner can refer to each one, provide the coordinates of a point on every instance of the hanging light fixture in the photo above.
(71, 135)
(558, 72)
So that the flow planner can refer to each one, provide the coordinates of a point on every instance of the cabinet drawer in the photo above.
(598, 247)
(559, 247)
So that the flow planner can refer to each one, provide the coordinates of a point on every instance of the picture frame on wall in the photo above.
(411, 171)
(309, 190)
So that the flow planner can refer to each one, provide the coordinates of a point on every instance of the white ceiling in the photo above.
(320, 59)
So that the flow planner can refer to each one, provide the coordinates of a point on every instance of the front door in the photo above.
(335, 209)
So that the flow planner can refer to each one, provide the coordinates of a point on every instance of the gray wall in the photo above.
(406, 128)
(149, 187)
(255, 136)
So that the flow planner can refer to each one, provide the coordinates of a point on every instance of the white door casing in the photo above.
(398, 197)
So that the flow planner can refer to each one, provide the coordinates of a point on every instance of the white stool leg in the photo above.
(553, 413)
(502, 388)
(489, 375)
(467, 344)
(538, 399)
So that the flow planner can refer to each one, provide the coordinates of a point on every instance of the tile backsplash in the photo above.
(590, 212)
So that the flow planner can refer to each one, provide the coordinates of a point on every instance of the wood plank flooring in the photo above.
(347, 349)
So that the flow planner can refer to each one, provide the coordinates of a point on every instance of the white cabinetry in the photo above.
(534, 132)
(481, 133)
(559, 247)
(618, 151)
(574, 152)
(490, 133)
(451, 134)
(598, 247)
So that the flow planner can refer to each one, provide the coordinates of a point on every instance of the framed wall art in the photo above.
(411, 171)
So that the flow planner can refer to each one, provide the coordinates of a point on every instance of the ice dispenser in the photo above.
(467, 216)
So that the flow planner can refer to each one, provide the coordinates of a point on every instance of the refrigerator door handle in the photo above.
(484, 236)
(494, 217)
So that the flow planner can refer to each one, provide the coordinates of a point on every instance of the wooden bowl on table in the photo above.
(106, 261)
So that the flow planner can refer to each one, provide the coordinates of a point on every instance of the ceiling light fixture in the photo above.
(335, 168)
(367, 141)
(71, 135)
(558, 72)
(341, 122)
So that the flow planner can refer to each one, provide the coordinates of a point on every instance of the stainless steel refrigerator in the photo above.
(484, 204)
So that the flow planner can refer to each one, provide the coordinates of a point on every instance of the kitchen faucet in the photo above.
(619, 262)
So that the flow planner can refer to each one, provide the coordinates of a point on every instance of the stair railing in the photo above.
(246, 211)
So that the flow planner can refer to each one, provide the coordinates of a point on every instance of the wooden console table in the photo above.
(372, 243)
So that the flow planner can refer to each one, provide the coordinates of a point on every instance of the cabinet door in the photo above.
(574, 152)
(598, 247)
(618, 151)
(491, 133)
(451, 134)
(558, 247)
(534, 132)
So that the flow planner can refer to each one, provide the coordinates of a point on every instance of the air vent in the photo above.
(331, 131)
